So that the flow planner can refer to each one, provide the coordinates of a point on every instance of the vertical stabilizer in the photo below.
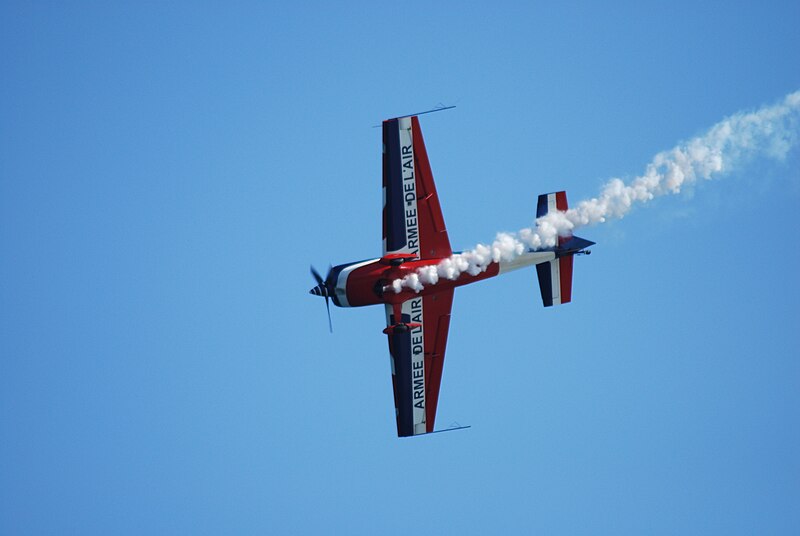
(555, 276)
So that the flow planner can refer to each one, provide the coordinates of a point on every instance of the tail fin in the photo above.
(555, 276)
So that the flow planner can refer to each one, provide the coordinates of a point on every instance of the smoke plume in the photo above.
(770, 131)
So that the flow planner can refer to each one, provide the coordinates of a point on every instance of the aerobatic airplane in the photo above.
(414, 235)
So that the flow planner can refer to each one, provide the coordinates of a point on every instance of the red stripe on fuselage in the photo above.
(363, 283)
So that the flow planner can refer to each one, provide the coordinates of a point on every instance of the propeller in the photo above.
(323, 289)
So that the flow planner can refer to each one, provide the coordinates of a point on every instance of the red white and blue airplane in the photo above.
(414, 235)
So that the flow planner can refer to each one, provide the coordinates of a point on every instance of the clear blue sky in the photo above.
(168, 173)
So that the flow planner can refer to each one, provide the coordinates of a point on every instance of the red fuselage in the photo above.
(365, 283)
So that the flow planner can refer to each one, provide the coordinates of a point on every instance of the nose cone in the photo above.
(317, 291)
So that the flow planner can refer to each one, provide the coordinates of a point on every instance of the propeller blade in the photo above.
(328, 306)
(317, 277)
(323, 288)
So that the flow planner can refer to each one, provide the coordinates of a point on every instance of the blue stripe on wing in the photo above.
(394, 211)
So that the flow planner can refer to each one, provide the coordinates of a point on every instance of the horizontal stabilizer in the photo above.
(573, 245)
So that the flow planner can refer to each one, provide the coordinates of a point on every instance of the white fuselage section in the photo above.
(526, 259)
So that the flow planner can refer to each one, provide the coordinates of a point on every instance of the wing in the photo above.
(412, 216)
(417, 358)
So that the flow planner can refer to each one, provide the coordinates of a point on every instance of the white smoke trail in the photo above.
(770, 131)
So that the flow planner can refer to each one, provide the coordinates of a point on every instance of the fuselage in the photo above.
(365, 283)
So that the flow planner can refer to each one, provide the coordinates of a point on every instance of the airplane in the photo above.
(414, 236)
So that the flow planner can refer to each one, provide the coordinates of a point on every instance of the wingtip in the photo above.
(439, 108)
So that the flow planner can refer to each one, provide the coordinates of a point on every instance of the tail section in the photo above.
(555, 276)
